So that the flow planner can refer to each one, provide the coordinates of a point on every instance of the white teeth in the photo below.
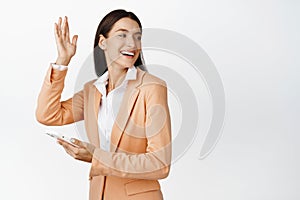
(127, 53)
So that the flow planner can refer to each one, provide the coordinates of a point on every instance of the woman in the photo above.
(125, 112)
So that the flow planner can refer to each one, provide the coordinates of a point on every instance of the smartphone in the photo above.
(60, 136)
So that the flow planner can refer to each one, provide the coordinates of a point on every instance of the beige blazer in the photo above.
(140, 151)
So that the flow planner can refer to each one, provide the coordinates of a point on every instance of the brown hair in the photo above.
(104, 27)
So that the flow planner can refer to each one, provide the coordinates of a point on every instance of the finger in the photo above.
(74, 40)
(56, 30)
(66, 149)
(59, 141)
(67, 29)
(63, 28)
(59, 25)
(57, 34)
(83, 145)
(68, 146)
(78, 143)
(70, 153)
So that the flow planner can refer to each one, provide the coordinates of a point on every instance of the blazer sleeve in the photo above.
(50, 109)
(155, 163)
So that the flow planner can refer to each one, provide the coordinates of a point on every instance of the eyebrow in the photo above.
(123, 29)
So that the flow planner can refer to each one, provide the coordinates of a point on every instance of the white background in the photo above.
(255, 47)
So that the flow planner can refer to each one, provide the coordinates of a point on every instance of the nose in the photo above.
(130, 42)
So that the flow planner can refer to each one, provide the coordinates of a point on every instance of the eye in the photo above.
(138, 37)
(122, 35)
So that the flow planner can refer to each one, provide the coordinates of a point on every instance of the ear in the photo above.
(102, 42)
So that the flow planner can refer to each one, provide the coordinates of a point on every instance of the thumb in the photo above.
(89, 147)
(74, 39)
(77, 142)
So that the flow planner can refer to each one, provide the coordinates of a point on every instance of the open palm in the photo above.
(66, 49)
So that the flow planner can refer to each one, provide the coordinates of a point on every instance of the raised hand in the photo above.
(66, 49)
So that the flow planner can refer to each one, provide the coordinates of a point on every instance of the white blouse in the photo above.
(110, 104)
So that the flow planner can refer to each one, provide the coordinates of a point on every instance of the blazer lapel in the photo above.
(128, 101)
(93, 134)
(97, 100)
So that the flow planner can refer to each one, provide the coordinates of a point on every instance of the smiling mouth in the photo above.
(128, 54)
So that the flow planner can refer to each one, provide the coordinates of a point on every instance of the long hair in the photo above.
(104, 27)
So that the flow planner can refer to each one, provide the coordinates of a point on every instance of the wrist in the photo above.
(62, 61)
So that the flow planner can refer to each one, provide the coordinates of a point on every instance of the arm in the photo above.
(155, 163)
(50, 111)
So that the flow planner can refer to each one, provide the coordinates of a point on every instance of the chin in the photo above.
(126, 64)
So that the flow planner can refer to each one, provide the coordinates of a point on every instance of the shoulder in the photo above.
(153, 89)
(150, 80)
(88, 86)
(152, 86)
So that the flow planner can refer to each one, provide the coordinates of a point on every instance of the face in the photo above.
(123, 44)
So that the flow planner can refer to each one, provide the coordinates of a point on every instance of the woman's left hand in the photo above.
(83, 152)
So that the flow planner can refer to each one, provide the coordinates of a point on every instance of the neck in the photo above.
(116, 75)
